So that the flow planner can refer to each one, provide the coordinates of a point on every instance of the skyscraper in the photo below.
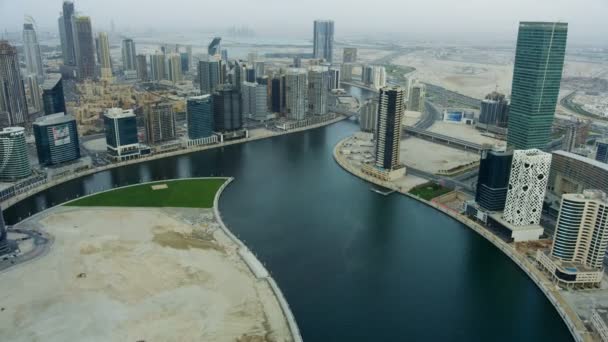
(209, 76)
(255, 100)
(537, 73)
(157, 67)
(334, 77)
(14, 163)
(494, 110)
(215, 47)
(174, 63)
(66, 34)
(493, 179)
(199, 114)
(323, 39)
(373, 76)
(581, 233)
(31, 49)
(368, 115)
(388, 128)
(227, 109)
(83, 47)
(318, 85)
(128, 55)
(276, 94)
(527, 185)
(142, 68)
(104, 56)
(53, 99)
(416, 100)
(35, 103)
(349, 55)
(121, 133)
(295, 93)
(56, 139)
(601, 153)
(346, 72)
(12, 91)
(160, 122)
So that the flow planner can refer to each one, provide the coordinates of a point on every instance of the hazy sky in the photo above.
(417, 19)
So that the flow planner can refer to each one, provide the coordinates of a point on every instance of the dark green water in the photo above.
(354, 265)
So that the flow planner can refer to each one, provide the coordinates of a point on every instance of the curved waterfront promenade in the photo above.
(572, 320)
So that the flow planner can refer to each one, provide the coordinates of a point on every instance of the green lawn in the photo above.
(429, 190)
(187, 193)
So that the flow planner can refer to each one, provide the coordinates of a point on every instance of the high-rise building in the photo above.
(174, 62)
(250, 74)
(157, 67)
(417, 96)
(53, 99)
(31, 50)
(4, 246)
(576, 132)
(494, 110)
(295, 93)
(537, 73)
(323, 39)
(581, 233)
(14, 163)
(142, 68)
(346, 71)
(276, 94)
(35, 103)
(12, 94)
(240, 75)
(318, 80)
(368, 115)
(160, 122)
(260, 68)
(493, 179)
(349, 55)
(297, 62)
(209, 76)
(199, 113)
(255, 101)
(128, 55)
(224, 55)
(388, 128)
(527, 185)
(227, 109)
(373, 76)
(334, 77)
(601, 152)
(66, 33)
(56, 139)
(83, 46)
(104, 56)
(185, 58)
(215, 47)
(190, 60)
(121, 133)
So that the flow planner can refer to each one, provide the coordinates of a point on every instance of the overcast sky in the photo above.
(588, 19)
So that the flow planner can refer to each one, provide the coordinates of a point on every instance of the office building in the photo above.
(142, 68)
(334, 77)
(537, 73)
(323, 39)
(601, 152)
(527, 185)
(160, 122)
(417, 97)
(215, 47)
(227, 109)
(35, 97)
(56, 139)
(368, 115)
(174, 63)
(157, 67)
(199, 113)
(255, 101)
(297, 62)
(31, 50)
(572, 173)
(388, 128)
(250, 74)
(260, 69)
(240, 75)
(346, 72)
(129, 61)
(66, 34)
(104, 56)
(276, 94)
(209, 76)
(14, 163)
(185, 58)
(373, 76)
(296, 93)
(318, 80)
(580, 240)
(12, 96)
(349, 55)
(576, 132)
(53, 100)
(493, 179)
(121, 133)
(494, 110)
(224, 55)
(83, 46)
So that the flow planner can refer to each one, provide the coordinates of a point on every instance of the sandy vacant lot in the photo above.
(134, 274)
(430, 157)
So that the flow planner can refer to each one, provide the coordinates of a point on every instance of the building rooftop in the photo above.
(51, 81)
(117, 113)
(200, 97)
(582, 159)
(54, 119)
(9, 130)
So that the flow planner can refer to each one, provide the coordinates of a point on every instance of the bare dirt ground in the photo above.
(137, 274)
